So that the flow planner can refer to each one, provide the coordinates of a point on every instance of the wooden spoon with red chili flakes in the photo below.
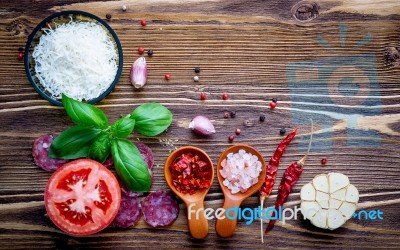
(189, 173)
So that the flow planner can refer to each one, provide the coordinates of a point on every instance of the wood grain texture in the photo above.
(246, 49)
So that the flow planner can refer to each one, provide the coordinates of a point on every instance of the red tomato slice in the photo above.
(82, 197)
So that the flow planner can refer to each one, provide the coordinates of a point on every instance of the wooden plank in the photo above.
(250, 50)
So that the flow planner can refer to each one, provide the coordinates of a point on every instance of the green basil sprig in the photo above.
(130, 165)
(100, 148)
(94, 138)
(151, 119)
(73, 143)
(123, 127)
(84, 115)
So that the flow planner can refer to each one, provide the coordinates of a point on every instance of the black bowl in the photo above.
(64, 17)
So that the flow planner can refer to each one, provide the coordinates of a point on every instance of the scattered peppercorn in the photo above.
(324, 161)
(197, 70)
(203, 96)
(232, 114)
(108, 16)
(20, 49)
(225, 96)
(140, 50)
(20, 56)
(231, 138)
(262, 118)
(150, 52)
(196, 78)
(123, 7)
(282, 131)
(167, 77)
(274, 100)
(272, 105)
(226, 115)
(238, 131)
(248, 123)
(143, 22)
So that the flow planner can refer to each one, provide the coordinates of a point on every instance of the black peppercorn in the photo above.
(226, 115)
(150, 52)
(197, 70)
(232, 114)
(108, 16)
(274, 100)
(282, 131)
(262, 118)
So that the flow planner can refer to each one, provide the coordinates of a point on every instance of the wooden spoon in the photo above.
(197, 223)
(225, 227)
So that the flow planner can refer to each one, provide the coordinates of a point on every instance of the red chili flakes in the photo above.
(189, 173)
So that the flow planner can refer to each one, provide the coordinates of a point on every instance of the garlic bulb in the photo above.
(329, 200)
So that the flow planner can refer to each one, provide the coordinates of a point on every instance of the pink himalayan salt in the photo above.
(240, 170)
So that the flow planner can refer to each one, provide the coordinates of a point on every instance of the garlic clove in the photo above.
(333, 203)
(319, 219)
(347, 209)
(320, 183)
(201, 125)
(337, 181)
(138, 73)
(352, 194)
(307, 192)
(322, 199)
(309, 208)
(335, 219)
(339, 195)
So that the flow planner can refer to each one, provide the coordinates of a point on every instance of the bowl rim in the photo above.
(73, 12)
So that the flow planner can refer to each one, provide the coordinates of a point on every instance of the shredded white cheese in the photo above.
(78, 59)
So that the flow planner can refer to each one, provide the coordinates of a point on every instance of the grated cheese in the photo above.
(78, 59)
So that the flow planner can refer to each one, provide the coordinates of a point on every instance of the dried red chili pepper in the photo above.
(272, 168)
(289, 179)
(190, 174)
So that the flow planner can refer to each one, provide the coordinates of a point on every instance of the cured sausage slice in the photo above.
(40, 150)
(129, 212)
(146, 153)
(160, 209)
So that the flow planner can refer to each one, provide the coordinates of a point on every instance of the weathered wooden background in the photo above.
(243, 48)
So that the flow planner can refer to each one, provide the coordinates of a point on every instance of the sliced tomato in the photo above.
(82, 197)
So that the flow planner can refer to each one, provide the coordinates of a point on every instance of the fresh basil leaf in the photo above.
(130, 165)
(123, 127)
(100, 148)
(84, 114)
(73, 143)
(151, 118)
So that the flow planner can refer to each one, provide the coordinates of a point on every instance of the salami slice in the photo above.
(160, 209)
(40, 150)
(146, 153)
(129, 212)
(109, 162)
(127, 192)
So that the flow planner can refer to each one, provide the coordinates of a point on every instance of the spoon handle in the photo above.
(226, 226)
(198, 224)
